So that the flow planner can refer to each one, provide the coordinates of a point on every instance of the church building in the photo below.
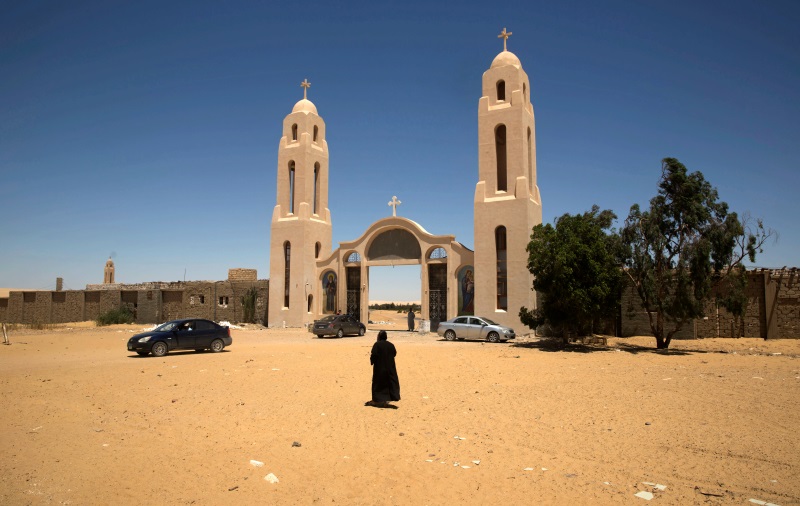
(308, 279)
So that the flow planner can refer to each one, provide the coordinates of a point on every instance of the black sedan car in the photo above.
(338, 325)
(188, 334)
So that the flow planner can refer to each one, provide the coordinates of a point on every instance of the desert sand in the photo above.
(713, 421)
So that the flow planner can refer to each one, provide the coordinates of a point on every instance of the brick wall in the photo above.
(91, 305)
(242, 275)
(773, 310)
(171, 304)
(149, 306)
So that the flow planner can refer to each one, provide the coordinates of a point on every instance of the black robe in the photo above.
(385, 384)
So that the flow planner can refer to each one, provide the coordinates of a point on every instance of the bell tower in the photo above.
(301, 221)
(108, 272)
(507, 201)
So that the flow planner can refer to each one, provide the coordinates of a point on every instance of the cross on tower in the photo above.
(306, 85)
(504, 35)
(394, 203)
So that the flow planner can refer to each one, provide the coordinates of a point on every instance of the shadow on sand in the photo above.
(557, 345)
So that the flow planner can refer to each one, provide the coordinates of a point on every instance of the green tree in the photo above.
(576, 268)
(685, 250)
(249, 305)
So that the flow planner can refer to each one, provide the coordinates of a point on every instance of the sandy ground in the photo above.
(86, 422)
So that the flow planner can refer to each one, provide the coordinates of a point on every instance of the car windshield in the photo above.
(489, 322)
(328, 318)
(165, 327)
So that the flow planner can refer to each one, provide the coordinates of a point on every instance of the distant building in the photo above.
(108, 272)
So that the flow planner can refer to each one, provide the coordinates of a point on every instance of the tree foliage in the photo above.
(114, 316)
(686, 249)
(249, 305)
(576, 272)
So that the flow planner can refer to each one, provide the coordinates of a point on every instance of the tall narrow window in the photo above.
(502, 268)
(530, 161)
(317, 248)
(316, 131)
(524, 93)
(294, 132)
(291, 187)
(501, 91)
(316, 188)
(287, 254)
(310, 300)
(500, 152)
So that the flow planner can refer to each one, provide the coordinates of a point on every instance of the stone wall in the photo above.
(149, 302)
(773, 311)
(242, 275)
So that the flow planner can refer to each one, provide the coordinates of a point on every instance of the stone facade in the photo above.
(153, 302)
(773, 311)
(242, 275)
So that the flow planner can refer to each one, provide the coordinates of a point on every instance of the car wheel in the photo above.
(493, 337)
(217, 345)
(143, 353)
(361, 331)
(450, 335)
(340, 333)
(159, 349)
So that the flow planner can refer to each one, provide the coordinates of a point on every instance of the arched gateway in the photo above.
(343, 277)
(306, 281)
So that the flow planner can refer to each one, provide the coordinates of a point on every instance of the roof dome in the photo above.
(506, 58)
(305, 106)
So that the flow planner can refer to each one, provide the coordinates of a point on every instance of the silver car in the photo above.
(474, 327)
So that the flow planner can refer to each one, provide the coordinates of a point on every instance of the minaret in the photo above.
(301, 220)
(507, 201)
(108, 272)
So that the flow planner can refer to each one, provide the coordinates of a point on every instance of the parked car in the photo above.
(474, 327)
(188, 334)
(338, 325)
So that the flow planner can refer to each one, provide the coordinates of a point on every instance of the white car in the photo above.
(474, 327)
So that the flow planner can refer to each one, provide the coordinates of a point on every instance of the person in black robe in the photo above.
(385, 384)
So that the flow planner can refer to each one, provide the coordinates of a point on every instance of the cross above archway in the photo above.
(394, 203)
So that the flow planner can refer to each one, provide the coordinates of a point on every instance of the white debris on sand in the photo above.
(229, 325)
(762, 503)
(644, 495)
(271, 478)
(656, 486)
(256, 463)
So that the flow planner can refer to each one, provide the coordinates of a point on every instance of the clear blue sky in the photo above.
(149, 130)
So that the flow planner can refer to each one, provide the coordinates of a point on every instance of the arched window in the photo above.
(530, 161)
(525, 93)
(291, 187)
(310, 300)
(354, 257)
(500, 153)
(316, 131)
(294, 132)
(502, 268)
(287, 255)
(317, 247)
(316, 187)
(437, 253)
(501, 90)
